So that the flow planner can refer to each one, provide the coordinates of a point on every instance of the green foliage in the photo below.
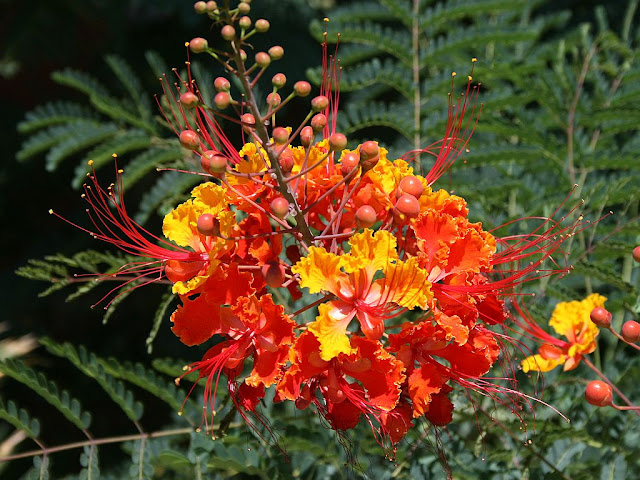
(19, 419)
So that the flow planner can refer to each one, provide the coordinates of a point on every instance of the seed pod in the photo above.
(198, 45)
(189, 100)
(598, 394)
(631, 331)
(365, 216)
(189, 139)
(208, 225)
(280, 207)
(410, 185)
(302, 88)
(228, 33)
(601, 317)
(273, 273)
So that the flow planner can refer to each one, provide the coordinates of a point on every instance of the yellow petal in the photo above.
(370, 251)
(330, 328)
(319, 270)
(180, 226)
(406, 284)
(536, 363)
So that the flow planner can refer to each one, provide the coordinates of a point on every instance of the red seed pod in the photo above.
(350, 161)
(631, 331)
(244, 8)
(228, 33)
(302, 88)
(213, 163)
(410, 185)
(189, 139)
(636, 254)
(222, 100)
(318, 122)
(337, 142)
(280, 135)
(263, 59)
(598, 394)
(262, 25)
(293, 254)
(200, 7)
(365, 216)
(208, 225)
(408, 206)
(601, 317)
(273, 273)
(248, 121)
(244, 22)
(276, 52)
(221, 84)
(189, 100)
(274, 99)
(286, 161)
(279, 80)
(198, 45)
(280, 207)
(306, 136)
(319, 103)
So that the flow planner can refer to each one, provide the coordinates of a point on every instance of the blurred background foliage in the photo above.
(561, 100)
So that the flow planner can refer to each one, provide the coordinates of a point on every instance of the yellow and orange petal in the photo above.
(370, 251)
(406, 284)
(319, 270)
(330, 328)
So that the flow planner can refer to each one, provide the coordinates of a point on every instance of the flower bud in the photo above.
(292, 253)
(302, 88)
(263, 59)
(601, 317)
(350, 161)
(280, 135)
(407, 206)
(221, 84)
(318, 122)
(319, 103)
(244, 8)
(273, 273)
(228, 33)
(189, 100)
(276, 52)
(306, 136)
(243, 55)
(365, 216)
(211, 6)
(189, 139)
(244, 22)
(200, 7)
(337, 142)
(279, 80)
(410, 185)
(369, 155)
(280, 207)
(636, 254)
(262, 25)
(286, 161)
(598, 394)
(198, 45)
(208, 225)
(213, 163)
(631, 331)
(222, 100)
(248, 121)
(274, 99)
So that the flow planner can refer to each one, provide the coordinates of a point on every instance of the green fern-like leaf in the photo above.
(170, 187)
(55, 113)
(89, 462)
(81, 138)
(20, 419)
(137, 167)
(129, 79)
(158, 318)
(68, 406)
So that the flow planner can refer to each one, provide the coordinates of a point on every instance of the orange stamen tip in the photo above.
(51, 211)
(186, 44)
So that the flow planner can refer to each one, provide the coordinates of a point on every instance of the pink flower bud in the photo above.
(262, 25)
(279, 80)
(208, 225)
(337, 142)
(280, 135)
(198, 45)
(306, 136)
(189, 139)
(189, 100)
(302, 88)
(222, 100)
(228, 33)
(280, 207)
(221, 84)
(319, 103)
(263, 59)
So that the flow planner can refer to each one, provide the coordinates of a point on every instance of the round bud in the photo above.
(244, 8)
(221, 84)
(262, 25)
(244, 22)
(189, 99)
(601, 317)
(286, 161)
(636, 254)
(302, 88)
(280, 207)
(189, 139)
(279, 80)
(263, 59)
(248, 120)
(200, 7)
(350, 161)
(306, 136)
(337, 142)
(211, 6)
(280, 135)
(213, 163)
(365, 216)
(598, 394)
(410, 185)
(407, 206)
(293, 254)
(319, 103)
(276, 52)
(222, 100)
(198, 45)
(228, 33)
(274, 99)
(243, 55)
(368, 150)
(318, 122)
(631, 331)
(273, 274)
(208, 225)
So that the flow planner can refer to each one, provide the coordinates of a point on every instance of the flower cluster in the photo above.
(340, 278)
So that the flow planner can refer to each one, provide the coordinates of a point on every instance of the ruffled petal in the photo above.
(319, 270)
(330, 328)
